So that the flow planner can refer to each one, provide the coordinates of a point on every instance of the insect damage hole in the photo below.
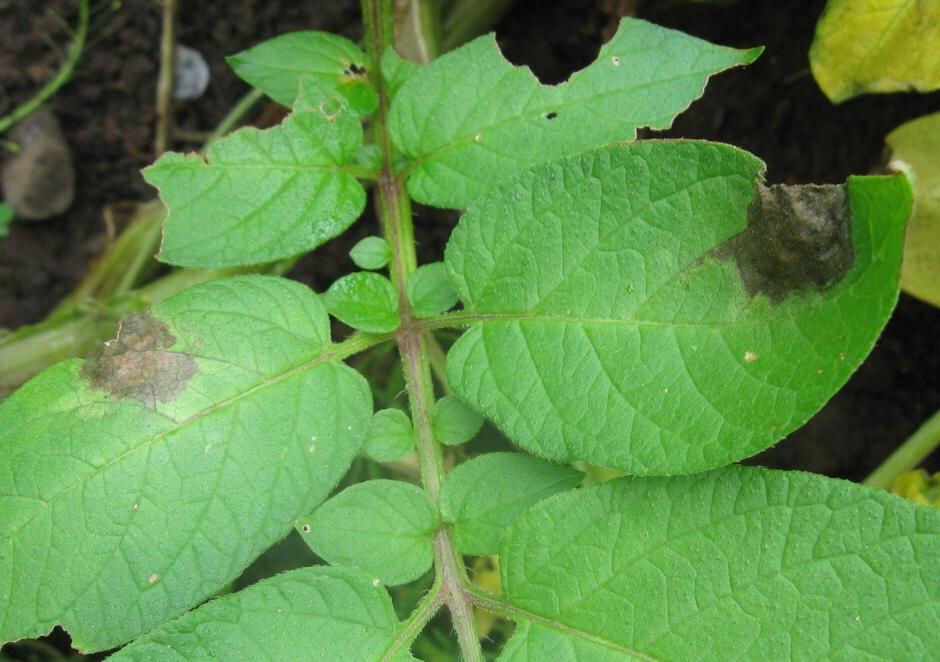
(550, 115)
(354, 69)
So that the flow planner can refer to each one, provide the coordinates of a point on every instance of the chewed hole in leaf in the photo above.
(355, 69)
(137, 364)
(550, 116)
(797, 238)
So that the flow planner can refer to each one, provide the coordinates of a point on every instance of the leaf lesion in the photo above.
(797, 238)
(139, 364)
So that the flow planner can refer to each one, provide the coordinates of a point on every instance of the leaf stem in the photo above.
(61, 77)
(468, 18)
(233, 116)
(164, 102)
(908, 455)
(394, 209)
(410, 628)
(439, 364)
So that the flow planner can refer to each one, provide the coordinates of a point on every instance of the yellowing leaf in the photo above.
(917, 144)
(868, 46)
(918, 486)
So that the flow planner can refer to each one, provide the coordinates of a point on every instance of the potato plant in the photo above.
(650, 307)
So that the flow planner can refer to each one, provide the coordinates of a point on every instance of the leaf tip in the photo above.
(750, 55)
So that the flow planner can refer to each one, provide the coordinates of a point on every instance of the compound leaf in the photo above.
(137, 484)
(260, 196)
(867, 46)
(365, 301)
(383, 527)
(306, 614)
(739, 563)
(917, 144)
(482, 496)
(277, 66)
(469, 119)
(610, 295)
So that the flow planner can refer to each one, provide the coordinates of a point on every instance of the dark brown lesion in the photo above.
(138, 364)
(798, 238)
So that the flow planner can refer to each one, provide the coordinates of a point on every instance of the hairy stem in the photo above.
(429, 606)
(908, 455)
(397, 224)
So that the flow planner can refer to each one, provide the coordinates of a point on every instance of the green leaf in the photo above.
(736, 564)
(390, 436)
(370, 253)
(262, 195)
(868, 46)
(370, 156)
(916, 145)
(612, 294)
(383, 527)
(137, 484)
(482, 496)
(364, 301)
(470, 119)
(454, 422)
(6, 218)
(430, 291)
(396, 70)
(277, 66)
(314, 613)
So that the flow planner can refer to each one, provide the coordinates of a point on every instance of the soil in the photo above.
(772, 108)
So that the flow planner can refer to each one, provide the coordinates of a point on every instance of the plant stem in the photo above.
(468, 18)
(62, 75)
(397, 224)
(418, 30)
(429, 606)
(439, 364)
(164, 103)
(908, 455)
(233, 116)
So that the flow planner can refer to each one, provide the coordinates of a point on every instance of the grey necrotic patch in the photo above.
(798, 238)
(138, 365)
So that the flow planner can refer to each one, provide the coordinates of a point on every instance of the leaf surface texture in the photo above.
(739, 563)
(652, 308)
(470, 119)
(260, 196)
(315, 613)
(137, 484)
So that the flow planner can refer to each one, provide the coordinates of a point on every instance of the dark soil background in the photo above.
(772, 108)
